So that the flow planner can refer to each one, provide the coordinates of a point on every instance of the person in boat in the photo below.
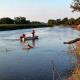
(33, 33)
(23, 38)
(72, 41)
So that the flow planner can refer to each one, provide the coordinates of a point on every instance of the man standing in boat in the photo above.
(33, 33)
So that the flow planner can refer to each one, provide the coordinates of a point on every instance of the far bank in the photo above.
(4, 27)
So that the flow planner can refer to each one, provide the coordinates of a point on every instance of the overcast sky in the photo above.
(40, 10)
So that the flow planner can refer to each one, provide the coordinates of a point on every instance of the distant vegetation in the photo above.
(64, 21)
(19, 23)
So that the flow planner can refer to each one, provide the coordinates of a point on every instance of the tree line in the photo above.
(17, 20)
(65, 21)
(7, 23)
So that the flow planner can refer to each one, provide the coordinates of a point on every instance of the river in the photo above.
(19, 63)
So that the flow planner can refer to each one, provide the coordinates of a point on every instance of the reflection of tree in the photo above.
(76, 70)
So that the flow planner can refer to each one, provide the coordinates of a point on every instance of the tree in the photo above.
(58, 21)
(77, 21)
(71, 21)
(75, 5)
(51, 22)
(6, 21)
(65, 21)
(21, 20)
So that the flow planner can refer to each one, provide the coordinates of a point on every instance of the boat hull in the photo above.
(32, 38)
(29, 38)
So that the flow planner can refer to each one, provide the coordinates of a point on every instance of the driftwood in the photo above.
(72, 41)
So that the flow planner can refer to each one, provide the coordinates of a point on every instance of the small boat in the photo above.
(32, 38)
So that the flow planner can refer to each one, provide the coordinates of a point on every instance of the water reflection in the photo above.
(33, 43)
(27, 45)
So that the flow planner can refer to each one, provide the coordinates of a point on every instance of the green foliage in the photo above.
(58, 21)
(21, 20)
(64, 21)
(51, 22)
(20, 26)
(6, 21)
(75, 5)
(19, 23)
(72, 21)
(16, 20)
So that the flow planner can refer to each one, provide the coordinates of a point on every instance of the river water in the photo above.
(17, 62)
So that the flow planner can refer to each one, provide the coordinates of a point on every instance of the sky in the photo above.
(37, 10)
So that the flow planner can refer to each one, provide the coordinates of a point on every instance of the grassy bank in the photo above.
(20, 26)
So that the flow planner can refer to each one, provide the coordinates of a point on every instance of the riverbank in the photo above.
(76, 71)
(5, 27)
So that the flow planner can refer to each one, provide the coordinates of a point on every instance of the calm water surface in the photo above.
(19, 63)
